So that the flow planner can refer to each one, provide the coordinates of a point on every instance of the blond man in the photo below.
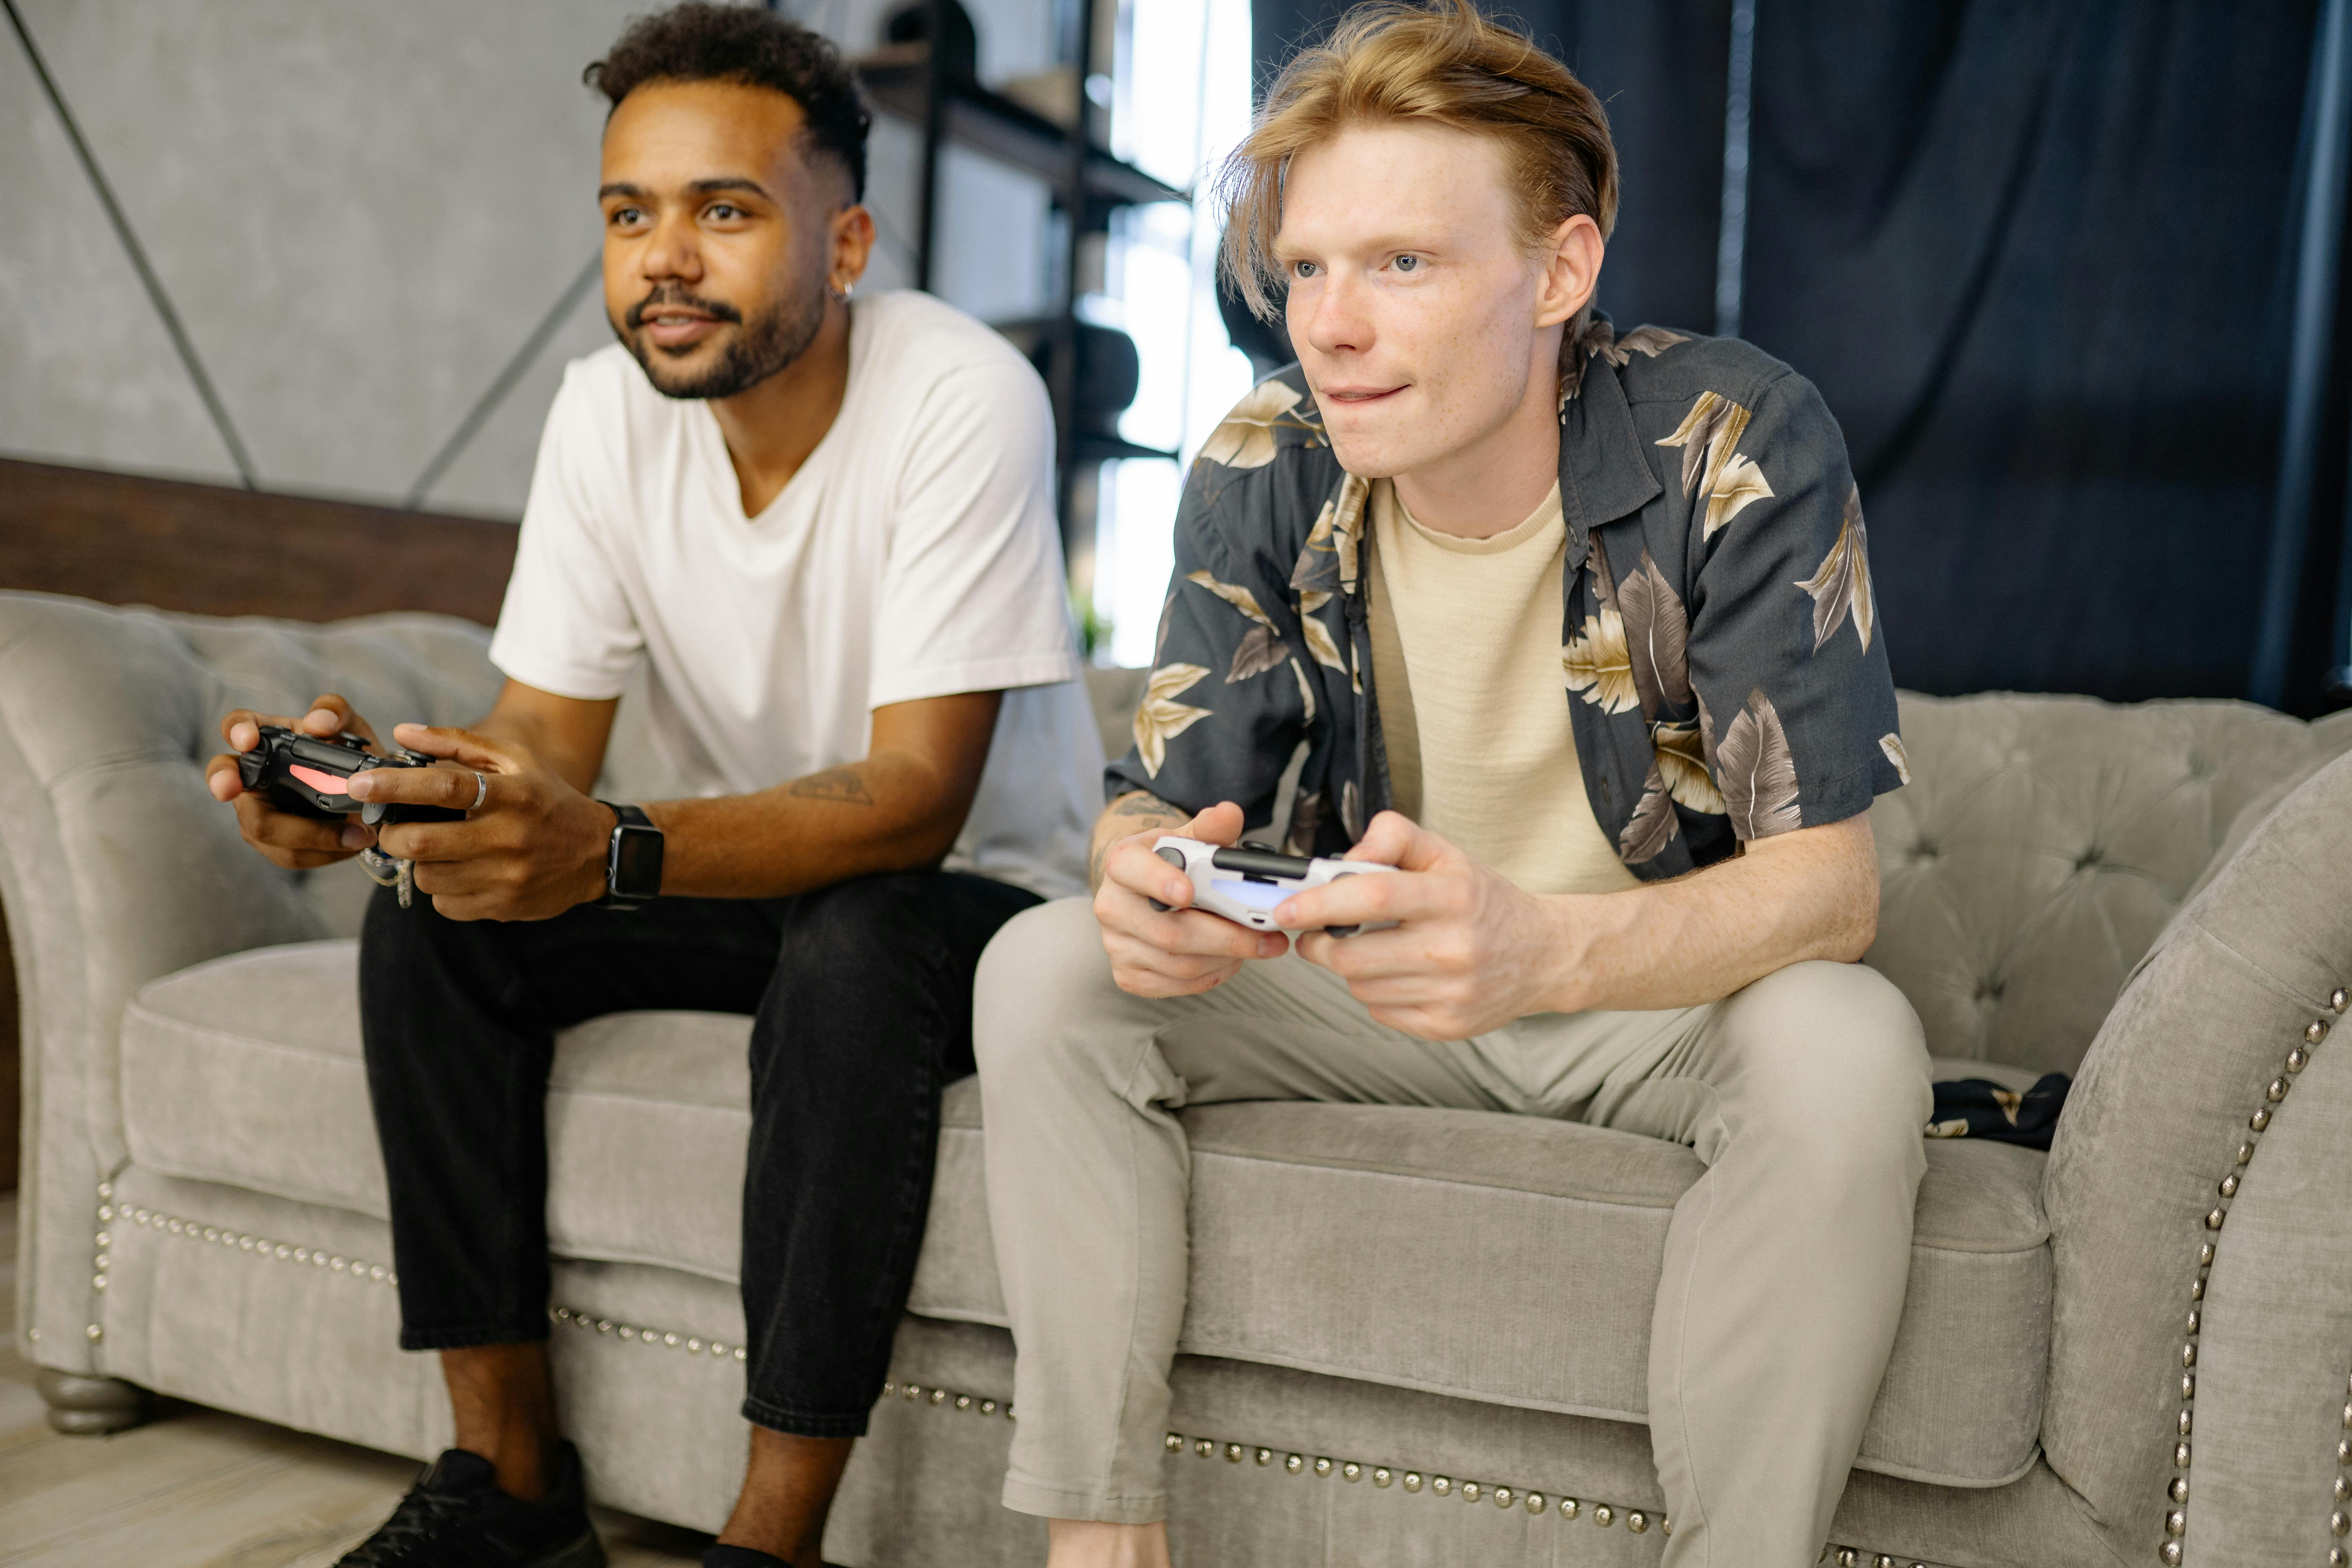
(1576, 630)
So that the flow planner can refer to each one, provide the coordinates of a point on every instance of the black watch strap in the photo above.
(633, 858)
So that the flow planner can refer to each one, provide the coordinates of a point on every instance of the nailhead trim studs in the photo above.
(259, 1247)
(1384, 1477)
(2176, 1519)
(360, 1269)
(692, 1344)
(2339, 1523)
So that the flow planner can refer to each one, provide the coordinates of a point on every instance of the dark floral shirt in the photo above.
(1720, 654)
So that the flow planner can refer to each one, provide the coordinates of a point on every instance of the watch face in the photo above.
(636, 861)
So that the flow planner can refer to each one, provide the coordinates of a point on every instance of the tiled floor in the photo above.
(201, 1489)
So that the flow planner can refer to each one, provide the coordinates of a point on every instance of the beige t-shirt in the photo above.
(1473, 698)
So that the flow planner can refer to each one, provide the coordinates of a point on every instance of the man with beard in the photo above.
(828, 531)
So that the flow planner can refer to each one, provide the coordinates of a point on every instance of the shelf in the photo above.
(897, 79)
(1106, 449)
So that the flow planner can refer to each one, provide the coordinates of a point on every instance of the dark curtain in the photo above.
(1659, 68)
(2038, 258)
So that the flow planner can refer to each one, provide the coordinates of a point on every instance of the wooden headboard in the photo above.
(212, 551)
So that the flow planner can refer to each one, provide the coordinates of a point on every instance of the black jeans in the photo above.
(861, 1000)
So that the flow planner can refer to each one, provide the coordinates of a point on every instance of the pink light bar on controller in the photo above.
(324, 783)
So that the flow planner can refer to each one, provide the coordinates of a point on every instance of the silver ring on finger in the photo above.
(481, 792)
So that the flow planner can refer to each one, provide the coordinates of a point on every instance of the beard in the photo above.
(757, 350)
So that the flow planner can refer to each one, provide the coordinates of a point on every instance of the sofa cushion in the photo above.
(247, 1070)
(1506, 1259)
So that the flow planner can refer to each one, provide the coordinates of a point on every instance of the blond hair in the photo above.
(1442, 64)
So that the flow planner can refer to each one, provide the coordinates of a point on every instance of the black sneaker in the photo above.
(455, 1517)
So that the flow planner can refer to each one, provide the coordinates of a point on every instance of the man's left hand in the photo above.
(1471, 951)
(533, 848)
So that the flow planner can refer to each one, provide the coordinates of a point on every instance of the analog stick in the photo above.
(1175, 857)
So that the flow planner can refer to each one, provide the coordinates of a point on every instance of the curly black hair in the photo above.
(700, 42)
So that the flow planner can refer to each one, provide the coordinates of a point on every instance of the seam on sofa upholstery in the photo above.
(1967, 1249)
(642, 1260)
(1406, 1172)
(1941, 1478)
(1555, 1408)
(286, 1191)
(91, 768)
(961, 1315)
(1429, 1174)
(632, 1098)
(566, 1254)
(555, 1086)
(1421, 1173)
(2274, 1097)
(136, 1009)
(2276, 982)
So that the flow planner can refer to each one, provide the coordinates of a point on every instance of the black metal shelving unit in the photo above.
(913, 82)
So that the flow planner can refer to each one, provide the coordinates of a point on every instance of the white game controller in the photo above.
(1243, 885)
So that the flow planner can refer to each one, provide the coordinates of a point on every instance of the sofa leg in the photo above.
(94, 1406)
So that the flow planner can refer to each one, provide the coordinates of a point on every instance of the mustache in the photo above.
(670, 294)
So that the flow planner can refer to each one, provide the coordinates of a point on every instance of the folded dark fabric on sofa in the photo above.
(1979, 1108)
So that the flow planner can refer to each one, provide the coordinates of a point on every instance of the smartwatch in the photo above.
(633, 860)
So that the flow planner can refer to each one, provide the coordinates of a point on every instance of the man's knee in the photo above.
(1040, 974)
(835, 933)
(859, 982)
(1830, 1053)
(402, 949)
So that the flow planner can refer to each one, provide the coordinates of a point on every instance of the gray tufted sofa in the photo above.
(1415, 1336)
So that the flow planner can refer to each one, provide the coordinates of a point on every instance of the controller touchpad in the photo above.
(1256, 895)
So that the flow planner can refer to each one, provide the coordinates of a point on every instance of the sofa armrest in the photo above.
(2200, 1196)
(118, 867)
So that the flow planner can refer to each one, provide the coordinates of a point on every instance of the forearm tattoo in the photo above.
(1135, 812)
(840, 785)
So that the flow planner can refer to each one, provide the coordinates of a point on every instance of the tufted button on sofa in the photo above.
(1413, 1335)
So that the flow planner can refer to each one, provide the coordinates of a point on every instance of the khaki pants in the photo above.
(1804, 1094)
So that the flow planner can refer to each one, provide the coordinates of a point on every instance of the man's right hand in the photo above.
(1181, 950)
(297, 843)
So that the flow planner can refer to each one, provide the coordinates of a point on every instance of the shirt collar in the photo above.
(1603, 473)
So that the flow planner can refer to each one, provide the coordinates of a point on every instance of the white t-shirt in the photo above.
(913, 555)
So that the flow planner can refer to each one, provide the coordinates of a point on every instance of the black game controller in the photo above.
(306, 776)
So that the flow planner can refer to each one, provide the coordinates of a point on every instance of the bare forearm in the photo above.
(567, 734)
(884, 814)
(1702, 937)
(1135, 812)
